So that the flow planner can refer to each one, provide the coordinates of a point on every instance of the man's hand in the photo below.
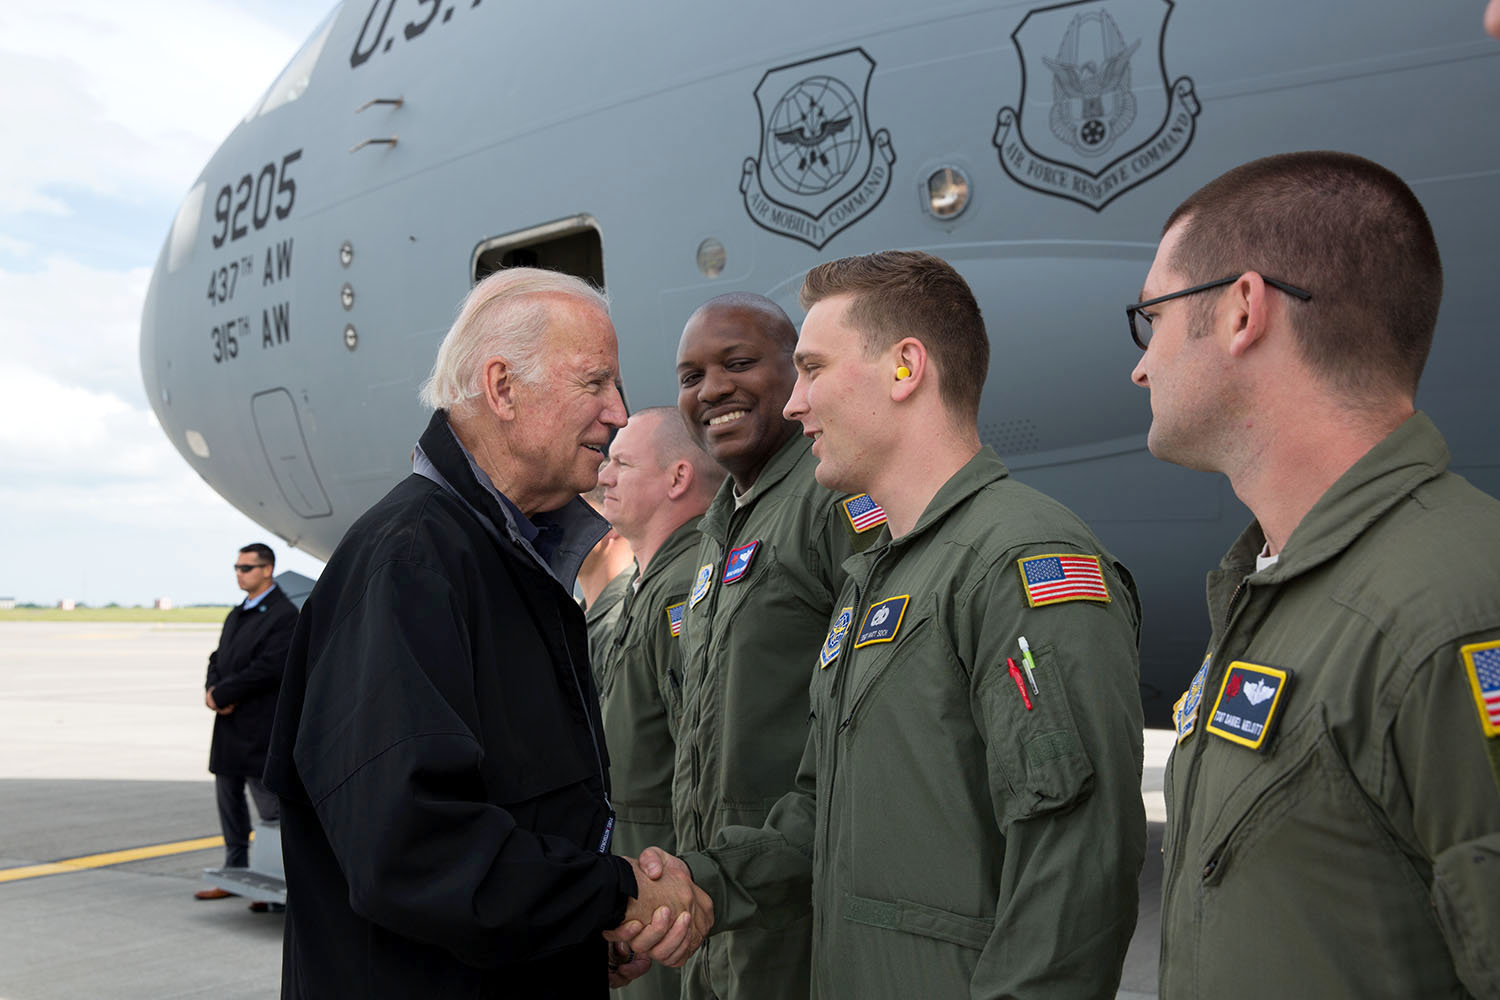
(670, 918)
(208, 699)
(625, 966)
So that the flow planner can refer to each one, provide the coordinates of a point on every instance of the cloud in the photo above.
(127, 100)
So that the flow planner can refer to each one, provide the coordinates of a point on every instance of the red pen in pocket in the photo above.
(1015, 675)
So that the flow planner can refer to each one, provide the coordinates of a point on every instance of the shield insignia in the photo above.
(1096, 115)
(820, 168)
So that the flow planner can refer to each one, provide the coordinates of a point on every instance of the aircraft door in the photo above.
(285, 447)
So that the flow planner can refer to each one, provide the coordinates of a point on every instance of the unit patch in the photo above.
(1185, 712)
(1482, 663)
(818, 172)
(1248, 702)
(1064, 576)
(835, 637)
(674, 617)
(882, 621)
(863, 513)
(701, 582)
(1114, 121)
(738, 563)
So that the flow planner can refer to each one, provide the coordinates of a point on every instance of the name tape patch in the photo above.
(1248, 702)
(738, 563)
(882, 621)
(674, 617)
(835, 638)
(1482, 664)
(1063, 576)
(701, 582)
(863, 513)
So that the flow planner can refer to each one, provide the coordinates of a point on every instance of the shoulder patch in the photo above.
(702, 580)
(882, 621)
(1482, 664)
(1062, 576)
(1185, 712)
(835, 638)
(1248, 701)
(863, 513)
(674, 617)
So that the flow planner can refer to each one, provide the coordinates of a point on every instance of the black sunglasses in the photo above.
(247, 567)
(1140, 323)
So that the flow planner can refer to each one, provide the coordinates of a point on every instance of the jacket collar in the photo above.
(441, 458)
(975, 474)
(684, 538)
(716, 519)
(1409, 456)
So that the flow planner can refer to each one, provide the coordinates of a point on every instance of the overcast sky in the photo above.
(109, 111)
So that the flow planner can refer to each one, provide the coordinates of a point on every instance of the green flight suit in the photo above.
(961, 844)
(603, 614)
(748, 647)
(1357, 852)
(640, 695)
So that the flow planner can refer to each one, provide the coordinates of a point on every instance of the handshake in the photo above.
(666, 921)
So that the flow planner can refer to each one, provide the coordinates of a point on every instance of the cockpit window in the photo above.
(293, 80)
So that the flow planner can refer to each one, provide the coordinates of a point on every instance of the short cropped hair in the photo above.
(907, 293)
(671, 442)
(1343, 228)
(505, 316)
(261, 551)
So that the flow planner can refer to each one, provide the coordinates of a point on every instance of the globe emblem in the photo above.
(814, 136)
(880, 616)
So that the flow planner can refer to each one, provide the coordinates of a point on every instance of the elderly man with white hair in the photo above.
(446, 818)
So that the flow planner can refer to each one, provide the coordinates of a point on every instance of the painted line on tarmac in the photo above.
(111, 858)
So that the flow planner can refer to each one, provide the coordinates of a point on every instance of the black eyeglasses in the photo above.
(247, 567)
(1140, 323)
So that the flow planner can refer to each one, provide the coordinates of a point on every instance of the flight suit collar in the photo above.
(1409, 456)
(716, 519)
(975, 474)
(580, 527)
(679, 541)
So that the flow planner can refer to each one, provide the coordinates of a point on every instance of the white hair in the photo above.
(503, 316)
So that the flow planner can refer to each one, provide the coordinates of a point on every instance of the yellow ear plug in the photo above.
(902, 372)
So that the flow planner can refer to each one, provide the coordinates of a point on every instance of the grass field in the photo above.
(178, 615)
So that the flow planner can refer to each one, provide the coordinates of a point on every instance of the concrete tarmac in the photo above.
(104, 747)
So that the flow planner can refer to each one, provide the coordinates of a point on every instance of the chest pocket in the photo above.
(870, 669)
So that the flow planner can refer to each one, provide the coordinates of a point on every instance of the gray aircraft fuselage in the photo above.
(676, 151)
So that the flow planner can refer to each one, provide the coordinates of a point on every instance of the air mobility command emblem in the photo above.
(1185, 712)
(863, 513)
(1482, 664)
(1062, 576)
(882, 621)
(738, 563)
(701, 582)
(835, 637)
(1113, 120)
(820, 168)
(674, 618)
(1248, 701)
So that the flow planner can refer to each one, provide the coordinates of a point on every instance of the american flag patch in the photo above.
(674, 617)
(1482, 662)
(1066, 576)
(863, 513)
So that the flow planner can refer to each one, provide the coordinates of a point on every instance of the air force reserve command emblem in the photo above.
(702, 580)
(835, 637)
(1248, 701)
(820, 169)
(1096, 115)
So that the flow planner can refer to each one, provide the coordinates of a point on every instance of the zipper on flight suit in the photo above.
(1172, 867)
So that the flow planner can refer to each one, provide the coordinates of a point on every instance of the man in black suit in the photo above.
(244, 676)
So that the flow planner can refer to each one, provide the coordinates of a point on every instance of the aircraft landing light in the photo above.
(110, 858)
